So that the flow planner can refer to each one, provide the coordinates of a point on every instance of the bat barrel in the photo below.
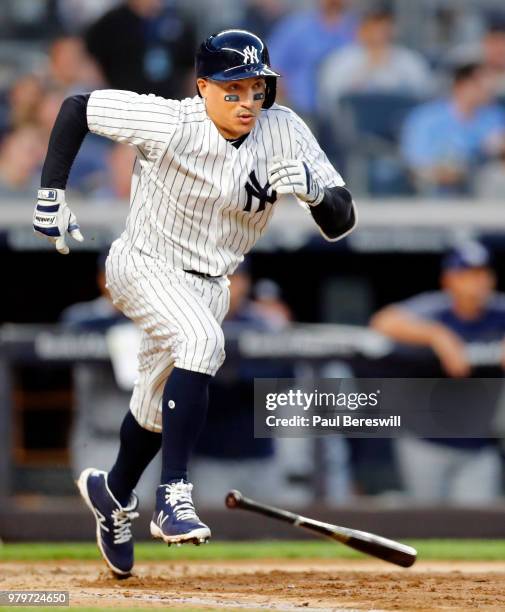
(394, 552)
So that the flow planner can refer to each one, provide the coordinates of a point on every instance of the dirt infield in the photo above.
(271, 585)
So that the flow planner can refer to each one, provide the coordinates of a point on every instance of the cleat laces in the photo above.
(122, 520)
(178, 495)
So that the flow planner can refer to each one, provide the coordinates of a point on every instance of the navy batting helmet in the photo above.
(232, 55)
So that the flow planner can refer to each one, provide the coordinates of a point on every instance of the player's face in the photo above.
(233, 105)
(473, 286)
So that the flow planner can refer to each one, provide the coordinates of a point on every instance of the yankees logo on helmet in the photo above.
(250, 55)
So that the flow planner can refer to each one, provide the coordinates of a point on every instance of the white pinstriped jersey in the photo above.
(197, 202)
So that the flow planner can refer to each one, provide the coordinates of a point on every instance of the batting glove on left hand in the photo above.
(52, 219)
(293, 176)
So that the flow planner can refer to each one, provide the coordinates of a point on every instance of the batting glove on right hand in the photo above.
(294, 176)
(52, 219)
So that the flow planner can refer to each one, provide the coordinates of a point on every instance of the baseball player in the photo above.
(208, 173)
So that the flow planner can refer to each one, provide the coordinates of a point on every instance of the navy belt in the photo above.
(202, 274)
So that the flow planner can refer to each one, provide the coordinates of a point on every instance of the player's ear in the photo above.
(201, 85)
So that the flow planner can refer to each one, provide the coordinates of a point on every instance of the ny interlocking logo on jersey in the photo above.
(255, 190)
(197, 202)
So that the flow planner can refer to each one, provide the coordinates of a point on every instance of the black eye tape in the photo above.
(236, 98)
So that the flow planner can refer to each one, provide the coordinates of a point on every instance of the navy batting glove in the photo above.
(52, 219)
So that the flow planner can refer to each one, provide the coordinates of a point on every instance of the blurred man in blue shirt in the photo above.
(467, 310)
(444, 141)
(301, 41)
(456, 322)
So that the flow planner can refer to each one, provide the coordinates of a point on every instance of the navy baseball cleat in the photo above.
(113, 522)
(175, 520)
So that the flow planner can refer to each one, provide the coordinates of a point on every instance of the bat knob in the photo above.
(233, 498)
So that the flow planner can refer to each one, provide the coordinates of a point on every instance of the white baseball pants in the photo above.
(180, 315)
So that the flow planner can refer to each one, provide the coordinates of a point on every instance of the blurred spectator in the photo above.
(490, 51)
(243, 310)
(146, 47)
(300, 42)
(444, 140)
(23, 100)
(70, 67)
(269, 306)
(119, 160)
(493, 53)
(28, 20)
(465, 312)
(214, 15)
(373, 64)
(265, 311)
(78, 14)
(21, 155)
(47, 111)
(261, 16)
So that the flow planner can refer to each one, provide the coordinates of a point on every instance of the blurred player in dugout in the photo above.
(465, 312)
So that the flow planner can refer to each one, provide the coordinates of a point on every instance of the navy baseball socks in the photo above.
(138, 447)
(185, 400)
(111, 499)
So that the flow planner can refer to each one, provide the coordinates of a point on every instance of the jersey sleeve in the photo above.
(308, 150)
(428, 306)
(143, 121)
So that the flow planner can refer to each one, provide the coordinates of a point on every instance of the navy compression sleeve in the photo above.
(69, 130)
(335, 213)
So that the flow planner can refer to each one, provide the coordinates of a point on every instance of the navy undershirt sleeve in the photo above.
(70, 129)
(335, 213)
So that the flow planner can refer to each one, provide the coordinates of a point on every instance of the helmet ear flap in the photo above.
(270, 92)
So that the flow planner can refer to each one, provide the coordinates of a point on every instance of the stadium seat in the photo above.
(368, 125)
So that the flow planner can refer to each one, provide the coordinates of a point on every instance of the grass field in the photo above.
(429, 550)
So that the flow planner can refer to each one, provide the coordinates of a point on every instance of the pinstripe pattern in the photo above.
(189, 210)
(180, 316)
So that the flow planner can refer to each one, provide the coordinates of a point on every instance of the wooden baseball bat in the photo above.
(368, 543)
